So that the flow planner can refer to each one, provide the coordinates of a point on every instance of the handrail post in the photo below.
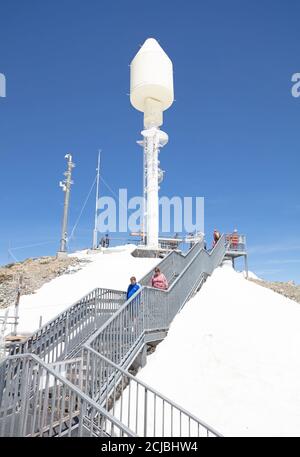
(96, 305)
(145, 411)
(66, 334)
(23, 396)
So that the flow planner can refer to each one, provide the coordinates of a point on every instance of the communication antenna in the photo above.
(66, 187)
(151, 92)
(95, 232)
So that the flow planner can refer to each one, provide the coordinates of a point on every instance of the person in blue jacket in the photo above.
(133, 308)
(133, 287)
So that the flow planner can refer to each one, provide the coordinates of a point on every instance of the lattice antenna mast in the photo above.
(66, 187)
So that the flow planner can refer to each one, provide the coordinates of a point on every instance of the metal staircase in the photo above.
(38, 401)
(83, 355)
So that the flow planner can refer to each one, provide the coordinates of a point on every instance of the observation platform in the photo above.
(166, 245)
(236, 247)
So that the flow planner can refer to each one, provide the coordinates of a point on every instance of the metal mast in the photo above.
(95, 233)
(154, 139)
(66, 187)
(151, 92)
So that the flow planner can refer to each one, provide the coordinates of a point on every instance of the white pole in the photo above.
(152, 189)
(95, 233)
(154, 139)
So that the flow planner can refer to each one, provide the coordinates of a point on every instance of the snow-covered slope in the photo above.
(232, 358)
(111, 269)
(251, 275)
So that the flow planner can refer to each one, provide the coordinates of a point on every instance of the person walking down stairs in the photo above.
(133, 287)
(158, 280)
(216, 237)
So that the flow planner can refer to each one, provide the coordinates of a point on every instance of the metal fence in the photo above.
(149, 309)
(133, 403)
(118, 338)
(33, 395)
(172, 264)
(38, 401)
(99, 371)
(236, 242)
(60, 336)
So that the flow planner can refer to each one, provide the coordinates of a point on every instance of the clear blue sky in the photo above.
(234, 128)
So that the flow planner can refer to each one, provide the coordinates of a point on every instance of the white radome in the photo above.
(151, 76)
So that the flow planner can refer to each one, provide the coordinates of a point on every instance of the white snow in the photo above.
(251, 275)
(109, 269)
(232, 358)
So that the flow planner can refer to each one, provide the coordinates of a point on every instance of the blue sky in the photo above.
(234, 128)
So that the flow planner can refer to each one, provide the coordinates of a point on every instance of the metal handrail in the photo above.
(120, 337)
(58, 337)
(133, 401)
(49, 341)
(239, 245)
(171, 263)
(37, 401)
(134, 309)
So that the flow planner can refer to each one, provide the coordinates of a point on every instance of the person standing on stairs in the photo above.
(133, 287)
(216, 236)
(133, 307)
(158, 280)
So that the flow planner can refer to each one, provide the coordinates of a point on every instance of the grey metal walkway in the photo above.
(102, 357)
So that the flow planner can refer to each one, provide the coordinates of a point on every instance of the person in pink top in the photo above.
(159, 281)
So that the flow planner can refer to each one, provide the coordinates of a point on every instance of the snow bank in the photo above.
(232, 358)
(251, 275)
(109, 271)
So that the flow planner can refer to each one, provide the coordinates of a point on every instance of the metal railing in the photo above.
(236, 242)
(121, 337)
(149, 309)
(60, 336)
(132, 402)
(124, 331)
(6, 320)
(37, 401)
(3, 324)
(172, 264)
(99, 371)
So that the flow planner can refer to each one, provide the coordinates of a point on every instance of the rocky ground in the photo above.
(30, 275)
(288, 289)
